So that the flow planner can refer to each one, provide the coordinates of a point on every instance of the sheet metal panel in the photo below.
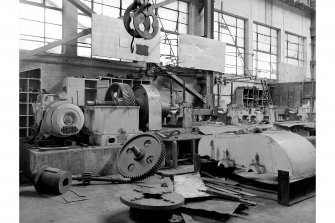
(111, 40)
(201, 53)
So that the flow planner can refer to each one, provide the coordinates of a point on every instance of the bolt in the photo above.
(138, 153)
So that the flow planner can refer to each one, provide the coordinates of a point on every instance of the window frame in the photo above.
(219, 22)
(273, 45)
(300, 61)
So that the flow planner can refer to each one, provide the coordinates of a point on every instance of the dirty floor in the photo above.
(103, 205)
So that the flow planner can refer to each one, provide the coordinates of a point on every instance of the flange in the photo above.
(152, 199)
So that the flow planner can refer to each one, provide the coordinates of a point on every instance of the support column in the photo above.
(69, 28)
(209, 33)
(249, 47)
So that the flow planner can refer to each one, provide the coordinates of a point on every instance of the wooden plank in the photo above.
(55, 44)
(82, 7)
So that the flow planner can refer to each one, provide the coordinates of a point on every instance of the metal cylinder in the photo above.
(52, 180)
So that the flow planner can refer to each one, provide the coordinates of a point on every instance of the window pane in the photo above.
(240, 33)
(53, 16)
(54, 3)
(183, 6)
(274, 50)
(183, 18)
(30, 45)
(31, 28)
(115, 3)
(126, 3)
(84, 22)
(263, 47)
(53, 31)
(263, 39)
(32, 12)
(264, 30)
(167, 14)
(240, 23)
(173, 5)
(168, 25)
(182, 28)
(110, 11)
(229, 20)
(240, 42)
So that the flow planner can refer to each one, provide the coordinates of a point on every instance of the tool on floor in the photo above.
(152, 202)
(87, 177)
(141, 156)
(51, 180)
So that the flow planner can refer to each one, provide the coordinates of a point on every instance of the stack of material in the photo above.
(199, 201)
(236, 190)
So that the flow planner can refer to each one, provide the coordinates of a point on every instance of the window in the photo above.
(230, 30)
(265, 51)
(173, 19)
(294, 49)
(40, 24)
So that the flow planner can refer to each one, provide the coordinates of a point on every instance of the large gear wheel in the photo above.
(141, 156)
(120, 93)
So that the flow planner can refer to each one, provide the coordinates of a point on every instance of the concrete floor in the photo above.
(104, 206)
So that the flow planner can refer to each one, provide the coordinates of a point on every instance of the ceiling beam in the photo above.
(55, 44)
(82, 7)
(162, 4)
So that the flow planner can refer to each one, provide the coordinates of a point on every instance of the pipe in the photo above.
(209, 19)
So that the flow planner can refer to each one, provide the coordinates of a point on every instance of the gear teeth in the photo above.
(154, 168)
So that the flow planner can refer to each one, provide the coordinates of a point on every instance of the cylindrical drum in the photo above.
(52, 180)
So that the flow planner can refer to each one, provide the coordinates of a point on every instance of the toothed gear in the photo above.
(141, 156)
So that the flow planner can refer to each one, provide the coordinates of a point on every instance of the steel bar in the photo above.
(188, 89)
(162, 4)
(55, 44)
(82, 7)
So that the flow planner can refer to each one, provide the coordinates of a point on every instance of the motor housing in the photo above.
(57, 117)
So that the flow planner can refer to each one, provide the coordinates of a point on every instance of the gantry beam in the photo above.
(55, 44)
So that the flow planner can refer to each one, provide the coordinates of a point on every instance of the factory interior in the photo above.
(169, 111)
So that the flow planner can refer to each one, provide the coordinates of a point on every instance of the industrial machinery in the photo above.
(114, 120)
(56, 117)
(141, 156)
(149, 100)
(261, 155)
(236, 115)
(152, 204)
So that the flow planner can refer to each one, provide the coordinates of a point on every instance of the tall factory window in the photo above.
(173, 19)
(40, 24)
(230, 29)
(294, 49)
(265, 51)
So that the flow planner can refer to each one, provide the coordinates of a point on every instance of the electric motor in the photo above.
(58, 117)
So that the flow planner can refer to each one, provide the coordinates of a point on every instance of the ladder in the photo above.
(266, 94)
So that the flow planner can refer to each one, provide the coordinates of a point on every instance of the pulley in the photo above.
(141, 156)
(120, 94)
(145, 22)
